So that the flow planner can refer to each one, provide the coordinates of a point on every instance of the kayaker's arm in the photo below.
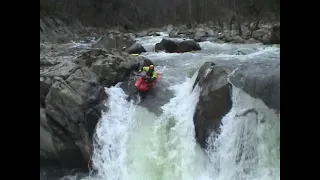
(145, 68)
(154, 75)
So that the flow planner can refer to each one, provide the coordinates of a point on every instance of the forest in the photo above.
(139, 14)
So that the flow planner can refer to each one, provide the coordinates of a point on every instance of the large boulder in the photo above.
(188, 46)
(68, 115)
(111, 67)
(274, 36)
(114, 40)
(166, 45)
(215, 100)
(268, 34)
(135, 48)
(171, 46)
(258, 78)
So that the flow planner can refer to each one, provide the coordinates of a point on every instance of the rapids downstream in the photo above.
(133, 143)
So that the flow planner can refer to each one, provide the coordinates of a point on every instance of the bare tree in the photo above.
(135, 14)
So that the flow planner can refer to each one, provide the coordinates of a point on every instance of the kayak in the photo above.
(143, 86)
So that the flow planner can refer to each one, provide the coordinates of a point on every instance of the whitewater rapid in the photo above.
(132, 143)
(144, 146)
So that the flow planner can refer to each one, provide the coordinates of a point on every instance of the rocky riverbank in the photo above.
(263, 32)
(54, 28)
(72, 98)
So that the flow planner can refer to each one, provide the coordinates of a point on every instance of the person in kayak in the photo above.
(151, 75)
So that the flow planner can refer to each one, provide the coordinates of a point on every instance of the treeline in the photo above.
(136, 14)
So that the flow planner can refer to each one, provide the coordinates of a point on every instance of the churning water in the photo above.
(135, 144)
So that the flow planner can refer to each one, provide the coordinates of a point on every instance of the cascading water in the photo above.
(164, 148)
(112, 134)
(144, 146)
(248, 146)
(132, 143)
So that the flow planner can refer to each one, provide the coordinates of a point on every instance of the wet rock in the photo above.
(65, 137)
(260, 34)
(114, 40)
(274, 37)
(188, 46)
(166, 45)
(171, 46)
(153, 34)
(260, 79)
(239, 53)
(136, 48)
(215, 100)
(72, 98)
(111, 66)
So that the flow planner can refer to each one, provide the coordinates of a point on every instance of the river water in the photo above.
(136, 144)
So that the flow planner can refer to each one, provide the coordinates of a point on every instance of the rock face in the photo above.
(53, 29)
(72, 98)
(170, 46)
(215, 100)
(71, 101)
(111, 67)
(260, 79)
(56, 28)
(136, 48)
(114, 40)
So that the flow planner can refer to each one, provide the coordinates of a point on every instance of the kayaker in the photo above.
(151, 75)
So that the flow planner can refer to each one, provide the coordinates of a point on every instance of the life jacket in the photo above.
(150, 72)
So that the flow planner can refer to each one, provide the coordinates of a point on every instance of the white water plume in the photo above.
(112, 135)
(248, 146)
(134, 144)
(174, 148)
